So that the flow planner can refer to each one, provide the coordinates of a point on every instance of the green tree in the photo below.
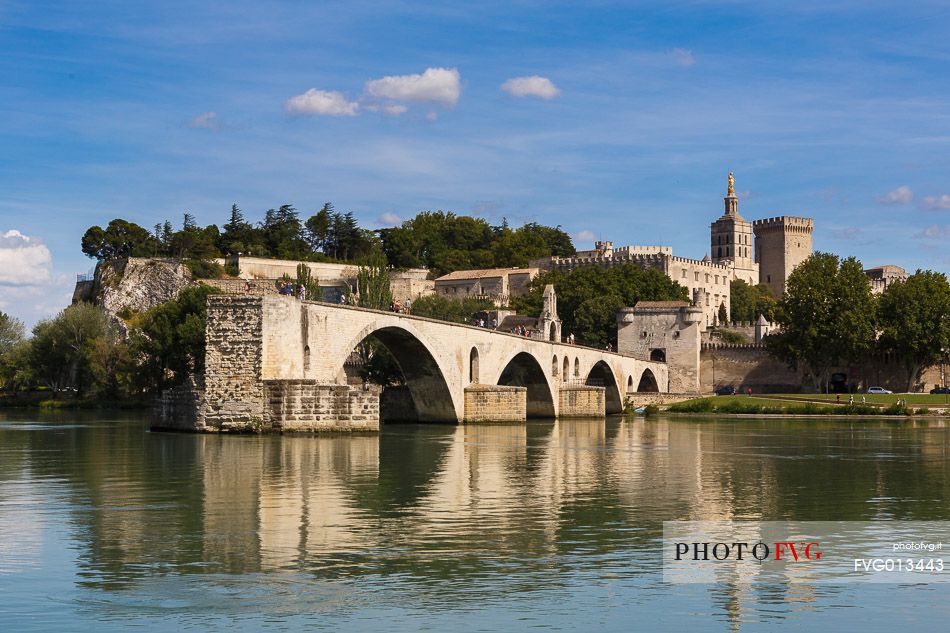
(915, 322)
(119, 239)
(238, 235)
(614, 287)
(60, 347)
(372, 282)
(317, 227)
(722, 316)
(827, 316)
(283, 233)
(747, 302)
(11, 332)
(167, 343)
(446, 309)
(312, 289)
(16, 367)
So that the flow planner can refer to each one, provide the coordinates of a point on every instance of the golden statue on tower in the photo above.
(732, 185)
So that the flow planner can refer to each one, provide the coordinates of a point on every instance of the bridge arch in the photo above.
(601, 375)
(523, 370)
(424, 377)
(648, 382)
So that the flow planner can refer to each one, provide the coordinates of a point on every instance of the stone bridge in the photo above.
(277, 363)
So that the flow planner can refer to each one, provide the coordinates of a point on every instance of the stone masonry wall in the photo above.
(176, 409)
(582, 401)
(234, 391)
(304, 405)
(490, 403)
(745, 366)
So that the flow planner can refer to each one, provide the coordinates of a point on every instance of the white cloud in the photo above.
(936, 202)
(208, 121)
(321, 102)
(901, 195)
(847, 233)
(935, 231)
(392, 109)
(440, 85)
(683, 56)
(584, 236)
(24, 261)
(389, 219)
(533, 86)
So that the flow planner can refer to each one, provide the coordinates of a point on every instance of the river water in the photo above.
(548, 526)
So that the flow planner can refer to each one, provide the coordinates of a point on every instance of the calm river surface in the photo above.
(551, 526)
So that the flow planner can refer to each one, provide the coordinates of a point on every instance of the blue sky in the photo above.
(634, 114)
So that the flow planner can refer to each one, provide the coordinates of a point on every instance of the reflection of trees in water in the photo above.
(448, 505)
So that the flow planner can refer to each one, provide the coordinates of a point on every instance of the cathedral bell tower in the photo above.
(731, 238)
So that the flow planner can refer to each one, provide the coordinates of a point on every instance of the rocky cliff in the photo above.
(127, 286)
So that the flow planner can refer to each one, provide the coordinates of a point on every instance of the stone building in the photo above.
(665, 331)
(497, 284)
(883, 276)
(763, 251)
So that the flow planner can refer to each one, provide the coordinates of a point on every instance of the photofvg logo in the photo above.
(739, 551)
(743, 552)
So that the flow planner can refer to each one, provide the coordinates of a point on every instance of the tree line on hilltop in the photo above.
(438, 240)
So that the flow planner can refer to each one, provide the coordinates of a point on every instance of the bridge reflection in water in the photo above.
(456, 517)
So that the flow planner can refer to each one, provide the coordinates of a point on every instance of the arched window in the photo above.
(567, 368)
(473, 366)
(553, 336)
(658, 355)
(630, 383)
(306, 359)
(720, 252)
(554, 366)
(577, 367)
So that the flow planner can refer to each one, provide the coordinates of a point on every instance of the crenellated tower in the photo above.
(781, 244)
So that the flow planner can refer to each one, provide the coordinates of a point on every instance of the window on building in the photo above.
(707, 278)
(696, 274)
(684, 273)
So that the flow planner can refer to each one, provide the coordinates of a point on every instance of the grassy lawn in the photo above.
(871, 398)
(813, 404)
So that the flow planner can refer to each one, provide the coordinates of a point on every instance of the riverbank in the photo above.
(800, 405)
(45, 400)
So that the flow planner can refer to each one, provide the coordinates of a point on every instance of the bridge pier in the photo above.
(582, 401)
(495, 403)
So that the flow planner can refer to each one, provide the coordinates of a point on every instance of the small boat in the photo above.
(640, 410)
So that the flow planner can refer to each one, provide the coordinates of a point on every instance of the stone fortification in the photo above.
(668, 331)
(781, 244)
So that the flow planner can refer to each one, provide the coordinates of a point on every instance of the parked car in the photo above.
(728, 390)
(940, 390)
(878, 390)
